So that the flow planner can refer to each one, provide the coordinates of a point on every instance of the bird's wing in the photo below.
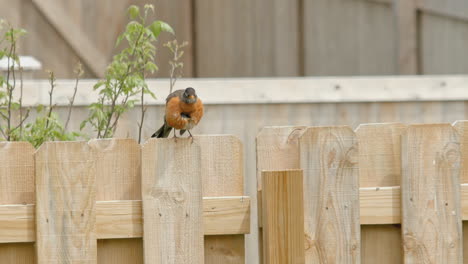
(176, 93)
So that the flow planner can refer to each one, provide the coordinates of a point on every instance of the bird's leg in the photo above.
(191, 137)
(175, 136)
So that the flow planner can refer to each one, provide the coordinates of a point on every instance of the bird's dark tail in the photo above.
(162, 132)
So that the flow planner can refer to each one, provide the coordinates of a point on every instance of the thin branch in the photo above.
(51, 93)
(22, 121)
(3, 132)
(21, 99)
(9, 89)
(72, 100)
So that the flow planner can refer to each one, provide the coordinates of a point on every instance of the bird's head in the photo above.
(190, 96)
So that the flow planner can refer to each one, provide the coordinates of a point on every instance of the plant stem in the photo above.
(114, 99)
(72, 100)
(51, 92)
(21, 100)
(9, 90)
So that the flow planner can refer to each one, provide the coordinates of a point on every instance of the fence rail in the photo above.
(87, 193)
(417, 173)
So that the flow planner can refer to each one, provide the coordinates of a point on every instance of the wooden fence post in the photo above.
(430, 186)
(380, 167)
(17, 187)
(65, 203)
(118, 170)
(329, 158)
(172, 202)
(283, 217)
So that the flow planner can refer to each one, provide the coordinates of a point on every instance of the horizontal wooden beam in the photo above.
(74, 35)
(271, 90)
(382, 205)
(454, 9)
(228, 215)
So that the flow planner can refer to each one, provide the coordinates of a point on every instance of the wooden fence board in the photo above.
(329, 158)
(118, 170)
(17, 187)
(172, 201)
(380, 167)
(431, 216)
(277, 149)
(462, 128)
(283, 217)
(65, 203)
(223, 174)
(249, 51)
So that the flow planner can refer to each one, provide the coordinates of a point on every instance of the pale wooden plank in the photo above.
(228, 215)
(118, 170)
(329, 158)
(380, 172)
(406, 90)
(283, 217)
(379, 154)
(277, 148)
(65, 203)
(431, 216)
(405, 13)
(380, 205)
(17, 187)
(74, 36)
(172, 201)
(461, 126)
(222, 164)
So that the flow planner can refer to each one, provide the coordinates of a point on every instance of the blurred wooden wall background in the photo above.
(255, 38)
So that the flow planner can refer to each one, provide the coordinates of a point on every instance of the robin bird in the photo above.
(183, 111)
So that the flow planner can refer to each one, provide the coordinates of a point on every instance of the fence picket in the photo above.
(65, 203)
(329, 158)
(172, 202)
(430, 186)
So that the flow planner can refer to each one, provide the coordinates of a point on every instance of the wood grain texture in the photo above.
(17, 187)
(283, 217)
(379, 154)
(440, 39)
(74, 36)
(406, 20)
(431, 216)
(65, 203)
(243, 35)
(345, 37)
(222, 164)
(329, 158)
(380, 170)
(461, 126)
(172, 201)
(229, 215)
(118, 177)
(277, 148)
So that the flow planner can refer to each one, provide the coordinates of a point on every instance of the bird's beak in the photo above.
(191, 96)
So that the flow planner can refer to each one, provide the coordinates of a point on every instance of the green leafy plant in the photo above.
(47, 126)
(8, 105)
(176, 65)
(125, 76)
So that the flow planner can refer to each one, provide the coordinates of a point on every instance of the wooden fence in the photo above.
(253, 38)
(358, 187)
(114, 201)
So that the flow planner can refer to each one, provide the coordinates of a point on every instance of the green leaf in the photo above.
(157, 26)
(133, 11)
